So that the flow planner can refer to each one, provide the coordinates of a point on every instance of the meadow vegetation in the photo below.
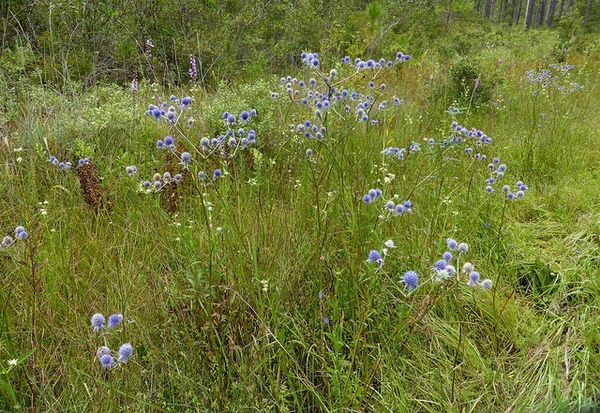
(364, 228)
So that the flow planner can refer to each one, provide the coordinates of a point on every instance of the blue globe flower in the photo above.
(410, 280)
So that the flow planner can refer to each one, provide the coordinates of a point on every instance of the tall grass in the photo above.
(251, 292)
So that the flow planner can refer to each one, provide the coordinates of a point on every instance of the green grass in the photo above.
(219, 281)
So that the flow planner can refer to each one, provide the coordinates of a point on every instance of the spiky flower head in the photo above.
(486, 284)
(125, 352)
(410, 280)
(439, 265)
(114, 320)
(473, 278)
(374, 256)
(102, 351)
(107, 360)
(98, 321)
(468, 268)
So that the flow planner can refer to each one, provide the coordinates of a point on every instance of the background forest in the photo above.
(90, 41)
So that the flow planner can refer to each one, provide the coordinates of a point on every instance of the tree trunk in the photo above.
(493, 8)
(529, 13)
(541, 14)
(588, 5)
(560, 11)
(550, 15)
(503, 4)
(569, 5)
(488, 9)
(518, 12)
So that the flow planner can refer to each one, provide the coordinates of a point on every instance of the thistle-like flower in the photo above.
(410, 280)
(114, 320)
(98, 322)
(125, 352)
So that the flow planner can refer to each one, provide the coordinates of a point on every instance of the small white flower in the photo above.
(468, 268)
(390, 244)
(442, 275)
(12, 362)
(486, 284)
(264, 285)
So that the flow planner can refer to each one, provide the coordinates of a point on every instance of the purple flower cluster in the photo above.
(311, 59)
(371, 196)
(193, 70)
(168, 113)
(20, 234)
(517, 192)
(546, 78)
(460, 134)
(104, 353)
(398, 153)
(160, 181)
(106, 359)
(98, 321)
(61, 165)
(310, 129)
(321, 93)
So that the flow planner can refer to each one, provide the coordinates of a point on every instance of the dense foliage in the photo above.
(235, 40)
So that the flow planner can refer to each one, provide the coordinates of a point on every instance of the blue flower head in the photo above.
(439, 265)
(168, 141)
(473, 278)
(447, 256)
(186, 158)
(125, 352)
(410, 280)
(452, 244)
(245, 115)
(217, 173)
(106, 360)
(98, 321)
(114, 320)
(374, 256)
